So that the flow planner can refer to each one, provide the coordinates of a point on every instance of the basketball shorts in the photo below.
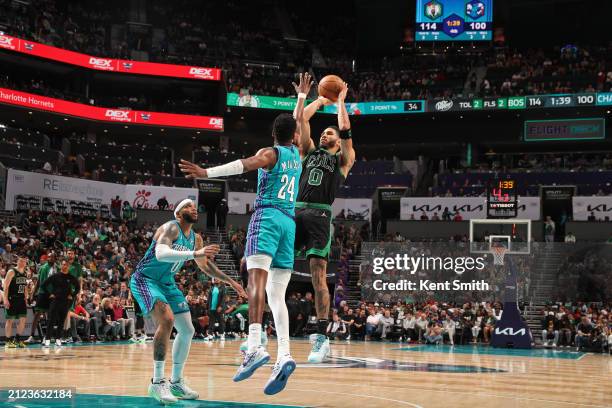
(42, 302)
(272, 232)
(313, 231)
(17, 310)
(148, 291)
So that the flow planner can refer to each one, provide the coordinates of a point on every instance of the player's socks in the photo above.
(158, 370)
(177, 372)
(322, 326)
(254, 339)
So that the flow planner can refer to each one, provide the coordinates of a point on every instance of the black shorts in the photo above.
(42, 302)
(18, 309)
(313, 231)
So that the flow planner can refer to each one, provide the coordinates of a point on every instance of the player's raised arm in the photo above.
(302, 115)
(264, 158)
(347, 152)
(209, 268)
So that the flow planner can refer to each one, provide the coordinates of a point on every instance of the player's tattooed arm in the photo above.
(209, 268)
(168, 233)
(347, 153)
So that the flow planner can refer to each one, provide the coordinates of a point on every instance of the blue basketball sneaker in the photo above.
(252, 361)
(280, 374)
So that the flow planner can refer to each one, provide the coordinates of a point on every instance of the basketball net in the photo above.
(498, 255)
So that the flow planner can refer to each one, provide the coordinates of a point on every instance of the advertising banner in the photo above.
(140, 196)
(468, 207)
(107, 64)
(59, 187)
(262, 102)
(379, 108)
(564, 129)
(79, 110)
(600, 206)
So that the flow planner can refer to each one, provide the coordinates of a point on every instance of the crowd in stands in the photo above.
(258, 56)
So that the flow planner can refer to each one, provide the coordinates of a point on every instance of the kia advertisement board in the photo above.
(599, 207)
(468, 207)
(108, 64)
(27, 100)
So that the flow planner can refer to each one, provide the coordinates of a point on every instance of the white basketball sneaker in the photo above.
(244, 346)
(182, 391)
(280, 374)
(161, 392)
(252, 361)
(320, 348)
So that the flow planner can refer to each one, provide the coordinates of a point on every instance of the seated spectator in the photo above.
(550, 330)
(409, 327)
(336, 329)
(584, 332)
(371, 324)
(80, 318)
(385, 324)
(433, 334)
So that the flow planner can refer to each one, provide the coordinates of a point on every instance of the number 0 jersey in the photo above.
(277, 187)
(163, 272)
(321, 178)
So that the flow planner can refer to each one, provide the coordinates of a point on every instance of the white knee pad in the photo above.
(259, 261)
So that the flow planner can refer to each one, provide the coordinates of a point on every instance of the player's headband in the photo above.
(182, 204)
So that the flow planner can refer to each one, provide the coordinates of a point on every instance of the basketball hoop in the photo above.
(498, 255)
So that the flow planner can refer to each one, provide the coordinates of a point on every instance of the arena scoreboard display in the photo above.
(502, 198)
(454, 20)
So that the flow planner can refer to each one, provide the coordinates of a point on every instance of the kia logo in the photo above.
(444, 105)
(100, 62)
(201, 72)
(509, 331)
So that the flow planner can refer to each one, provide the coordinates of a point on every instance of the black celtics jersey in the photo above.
(321, 177)
(16, 290)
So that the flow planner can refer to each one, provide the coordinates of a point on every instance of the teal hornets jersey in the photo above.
(278, 187)
(151, 268)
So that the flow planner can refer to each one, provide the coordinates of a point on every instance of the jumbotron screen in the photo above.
(454, 20)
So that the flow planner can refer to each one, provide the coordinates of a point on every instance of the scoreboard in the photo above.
(454, 20)
(502, 198)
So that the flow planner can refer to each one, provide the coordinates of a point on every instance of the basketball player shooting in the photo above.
(155, 290)
(270, 237)
(326, 166)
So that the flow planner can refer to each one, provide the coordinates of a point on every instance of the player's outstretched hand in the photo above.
(208, 251)
(305, 83)
(239, 290)
(192, 171)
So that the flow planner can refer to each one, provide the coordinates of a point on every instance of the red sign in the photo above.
(59, 106)
(108, 64)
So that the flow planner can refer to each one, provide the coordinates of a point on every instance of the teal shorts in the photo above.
(147, 291)
(272, 232)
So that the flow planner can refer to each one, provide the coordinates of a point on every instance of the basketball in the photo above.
(330, 86)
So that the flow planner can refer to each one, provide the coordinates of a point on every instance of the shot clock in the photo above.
(502, 198)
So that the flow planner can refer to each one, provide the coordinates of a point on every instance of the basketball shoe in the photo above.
(252, 361)
(320, 348)
(281, 371)
(182, 391)
(161, 392)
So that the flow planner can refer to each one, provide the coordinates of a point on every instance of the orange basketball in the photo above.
(330, 86)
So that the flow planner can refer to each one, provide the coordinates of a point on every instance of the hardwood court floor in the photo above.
(361, 375)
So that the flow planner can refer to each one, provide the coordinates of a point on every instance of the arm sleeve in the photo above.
(164, 253)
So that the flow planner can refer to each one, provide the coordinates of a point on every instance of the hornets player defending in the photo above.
(270, 237)
(155, 290)
(325, 169)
